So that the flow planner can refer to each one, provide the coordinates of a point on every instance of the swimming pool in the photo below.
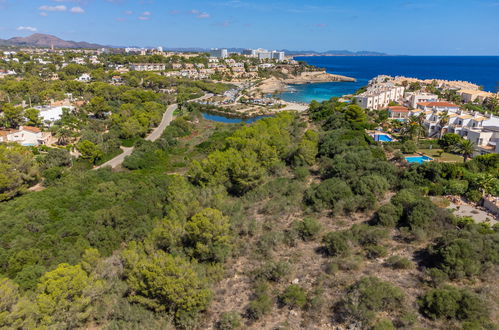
(383, 138)
(418, 159)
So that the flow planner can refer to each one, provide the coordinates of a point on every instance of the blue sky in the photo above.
(412, 27)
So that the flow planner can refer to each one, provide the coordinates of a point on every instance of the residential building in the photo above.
(470, 95)
(438, 106)
(279, 56)
(147, 66)
(219, 53)
(379, 95)
(84, 78)
(50, 114)
(398, 112)
(411, 99)
(26, 136)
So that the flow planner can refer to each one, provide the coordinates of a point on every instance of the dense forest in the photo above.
(294, 221)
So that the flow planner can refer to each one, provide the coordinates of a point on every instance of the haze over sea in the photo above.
(481, 70)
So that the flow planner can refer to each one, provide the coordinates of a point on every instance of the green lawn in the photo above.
(446, 157)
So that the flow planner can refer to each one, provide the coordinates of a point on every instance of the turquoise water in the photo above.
(481, 70)
(418, 159)
(382, 138)
(227, 120)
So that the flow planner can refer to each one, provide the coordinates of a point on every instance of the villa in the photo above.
(147, 67)
(26, 136)
(398, 112)
(438, 106)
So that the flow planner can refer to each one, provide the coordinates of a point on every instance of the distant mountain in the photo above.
(46, 40)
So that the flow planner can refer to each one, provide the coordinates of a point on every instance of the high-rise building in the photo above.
(219, 53)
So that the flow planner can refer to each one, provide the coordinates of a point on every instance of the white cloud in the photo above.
(77, 10)
(146, 13)
(128, 12)
(144, 18)
(43, 14)
(27, 28)
(200, 14)
(53, 8)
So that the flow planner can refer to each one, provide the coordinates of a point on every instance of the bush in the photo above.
(398, 262)
(294, 296)
(376, 251)
(465, 253)
(229, 321)
(301, 173)
(369, 296)
(408, 147)
(308, 229)
(261, 304)
(273, 271)
(384, 324)
(336, 244)
(456, 187)
(327, 194)
(453, 303)
(388, 215)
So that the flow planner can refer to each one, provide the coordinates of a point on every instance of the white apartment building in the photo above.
(379, 96)
(411, 99)
(147, 66)
(438, 106)
(219, 53)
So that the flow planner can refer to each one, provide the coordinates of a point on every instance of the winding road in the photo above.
(153, 136)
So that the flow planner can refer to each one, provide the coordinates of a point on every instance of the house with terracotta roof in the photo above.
(26, 136)
(398, 112)
(438, 106)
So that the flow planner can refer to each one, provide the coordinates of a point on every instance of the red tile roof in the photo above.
(398, 108)
(438, 104)
(32, 129)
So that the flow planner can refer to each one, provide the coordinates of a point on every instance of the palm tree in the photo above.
(413, 128)
(444, 120)
(466, 148)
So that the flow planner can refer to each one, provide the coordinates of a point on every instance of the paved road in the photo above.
(153, 136)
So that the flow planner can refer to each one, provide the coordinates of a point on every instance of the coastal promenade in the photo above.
(153, 136)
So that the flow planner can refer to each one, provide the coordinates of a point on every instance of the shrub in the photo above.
(369, 296)
(301, 173)
(408, 147)
(261, 304)
(398, 262)
(388, 215)
(327, 194)
(367, 235)
(463, 253)
(273, 271)
(308, 229)
(375, 251)
(229, 321)
(294, 296)
(336, 244)
(384, 324)
(453, 303)
(456, 187)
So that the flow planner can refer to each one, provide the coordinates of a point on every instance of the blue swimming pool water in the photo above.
(382, 138)
(418, 159)
(227, 120)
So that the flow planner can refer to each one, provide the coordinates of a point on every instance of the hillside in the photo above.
(46, 40)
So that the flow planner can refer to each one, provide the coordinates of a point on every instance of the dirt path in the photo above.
(153, 136)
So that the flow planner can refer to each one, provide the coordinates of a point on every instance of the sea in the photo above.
(481, 70)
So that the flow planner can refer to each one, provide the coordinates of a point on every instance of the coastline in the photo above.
(277, 85)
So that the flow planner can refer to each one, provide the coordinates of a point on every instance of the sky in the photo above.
(405, 27)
